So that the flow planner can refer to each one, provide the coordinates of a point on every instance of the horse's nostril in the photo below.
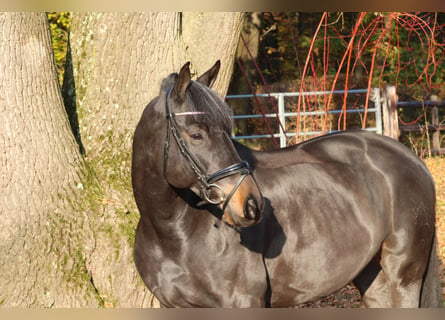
(251, 210)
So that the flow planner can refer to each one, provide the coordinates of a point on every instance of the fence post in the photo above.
(282, 120)
(390, 117)
(378, 109)
(435, 124)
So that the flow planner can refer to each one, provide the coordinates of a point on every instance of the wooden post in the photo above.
(435, 124)
(389, 110)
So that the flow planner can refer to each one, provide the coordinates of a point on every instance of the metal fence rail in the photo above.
(282, 114)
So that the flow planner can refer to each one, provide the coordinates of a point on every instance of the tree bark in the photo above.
(67, 222)
(118, 61)
(44, 242)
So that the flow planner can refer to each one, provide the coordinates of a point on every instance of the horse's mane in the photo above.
(216, 111)
(213, 111)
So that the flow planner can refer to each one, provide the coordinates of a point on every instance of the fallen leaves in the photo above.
(437, 169)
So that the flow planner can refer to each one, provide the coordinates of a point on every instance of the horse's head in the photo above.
(198, 151)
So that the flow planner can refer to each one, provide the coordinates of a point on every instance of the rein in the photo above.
(208, 182)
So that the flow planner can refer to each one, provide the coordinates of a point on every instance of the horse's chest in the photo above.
(203, 278)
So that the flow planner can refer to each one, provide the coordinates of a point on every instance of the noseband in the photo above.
(208, 182)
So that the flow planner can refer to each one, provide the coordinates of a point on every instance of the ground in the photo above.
(349, 297)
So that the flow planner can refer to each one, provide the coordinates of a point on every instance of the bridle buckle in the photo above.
(206, 194)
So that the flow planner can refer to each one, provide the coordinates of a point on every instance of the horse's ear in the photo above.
(182, 82)
(209, 77)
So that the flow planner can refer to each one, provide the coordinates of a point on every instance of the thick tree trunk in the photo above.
(211, 36)
(68, 224)
(44, 242)
(239, 85)
(119, 60)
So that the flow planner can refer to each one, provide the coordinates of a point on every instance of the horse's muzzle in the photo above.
(235, 189)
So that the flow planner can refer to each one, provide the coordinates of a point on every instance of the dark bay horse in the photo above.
(225, 226)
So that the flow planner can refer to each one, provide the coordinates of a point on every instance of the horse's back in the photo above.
(406, 181)
(365, 151)
(339, 199)
(409, 183)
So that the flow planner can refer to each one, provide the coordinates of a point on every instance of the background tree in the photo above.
(119, 60)
(68, 220)
(44, 242)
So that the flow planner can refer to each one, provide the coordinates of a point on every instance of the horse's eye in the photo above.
(196, 136)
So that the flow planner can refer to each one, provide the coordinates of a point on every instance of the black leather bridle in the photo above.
(208, 182)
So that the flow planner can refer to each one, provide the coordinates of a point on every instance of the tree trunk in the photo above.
(246, 56)
(44, 242)
(118, 61)
(67, 223)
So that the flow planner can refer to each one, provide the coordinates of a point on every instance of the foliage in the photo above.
(347, 50)
(409, 47)
(59, 23)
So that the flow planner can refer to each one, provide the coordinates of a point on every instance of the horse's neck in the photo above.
(168, 207)
(163, 200)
